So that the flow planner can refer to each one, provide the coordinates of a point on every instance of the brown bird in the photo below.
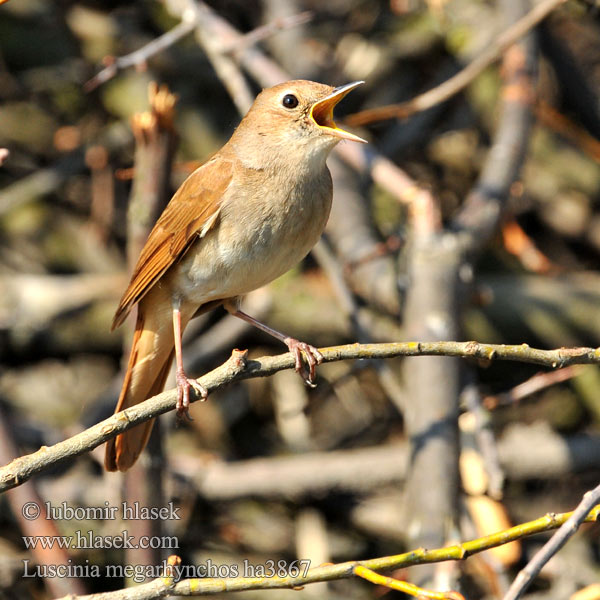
(239, 221)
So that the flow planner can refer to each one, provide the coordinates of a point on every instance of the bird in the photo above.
(239, 221)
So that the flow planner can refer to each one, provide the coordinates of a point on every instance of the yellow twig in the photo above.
(404, 586)
(330, 572)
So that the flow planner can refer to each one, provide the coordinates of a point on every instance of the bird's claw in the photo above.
(184, 383)
(313, 358)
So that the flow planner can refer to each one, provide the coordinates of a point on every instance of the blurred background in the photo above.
(477, 218)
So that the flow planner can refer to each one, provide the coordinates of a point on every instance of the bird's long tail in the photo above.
(149, 364)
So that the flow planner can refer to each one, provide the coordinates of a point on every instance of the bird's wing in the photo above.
(190, 214)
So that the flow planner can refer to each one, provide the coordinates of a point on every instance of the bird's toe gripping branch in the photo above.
(312, 355)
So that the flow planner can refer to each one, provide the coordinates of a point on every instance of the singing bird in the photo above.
(238, 222)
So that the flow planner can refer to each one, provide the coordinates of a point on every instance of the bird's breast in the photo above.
(263, 230)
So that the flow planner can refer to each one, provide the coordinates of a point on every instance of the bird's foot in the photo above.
(313, 358)
(184, 383)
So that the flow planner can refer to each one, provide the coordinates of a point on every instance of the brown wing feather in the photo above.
(194, 206)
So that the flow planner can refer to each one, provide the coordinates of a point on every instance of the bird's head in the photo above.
(296, 117)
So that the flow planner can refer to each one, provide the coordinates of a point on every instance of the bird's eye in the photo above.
(290, 101)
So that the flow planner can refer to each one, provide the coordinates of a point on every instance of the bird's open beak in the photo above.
(321, 112)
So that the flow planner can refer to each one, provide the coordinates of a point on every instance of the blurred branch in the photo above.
(140, 56)
(154, 151)
(484, 437)
(353, 236)
(357, 318)
(463, 78)
(578, 90)
(556, 121)
(187, 25)
(525, 452)
(554, 544)
(480, 215)
(225, 66)
(42, 182)
(535, 384)
(238, 368)
(383, 171)
(45, 181)
(265, 31)
(310, 474)
(30, 300)
(432, 311)
(163, 587)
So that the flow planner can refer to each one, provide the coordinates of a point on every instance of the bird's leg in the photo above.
(183, 381)
(313, 356)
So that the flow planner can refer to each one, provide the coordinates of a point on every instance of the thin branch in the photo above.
(556, 121)
(41, 182)
(485, 439)
(238, 367)
(187, 25)
(140, 56)
(554, 544)
(163, 587)
(538, 382)
(525, 452)
(355, 316)
(480, 215)
(455, 84)
(225, 66)
(404, 586)
(264, 31)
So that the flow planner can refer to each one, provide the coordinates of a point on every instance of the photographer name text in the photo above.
(127, 511)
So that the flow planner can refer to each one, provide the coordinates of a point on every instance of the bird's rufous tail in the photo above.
(149, 364)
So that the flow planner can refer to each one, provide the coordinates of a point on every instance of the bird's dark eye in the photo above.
(290, 101)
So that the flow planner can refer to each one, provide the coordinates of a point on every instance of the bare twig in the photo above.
(403, 586)
(264, 31)
(45, 181)
(187, 25)
(480, 215)
(225, 66)
(165, 586)
(455, 84)
(553, 545)
(140, 56)
(556, 121)
(155, 147)
(486, 442)
(525, 452)
(356, 317)
(538, 382)
(352, 234)
(41, 182)
(238, 368)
